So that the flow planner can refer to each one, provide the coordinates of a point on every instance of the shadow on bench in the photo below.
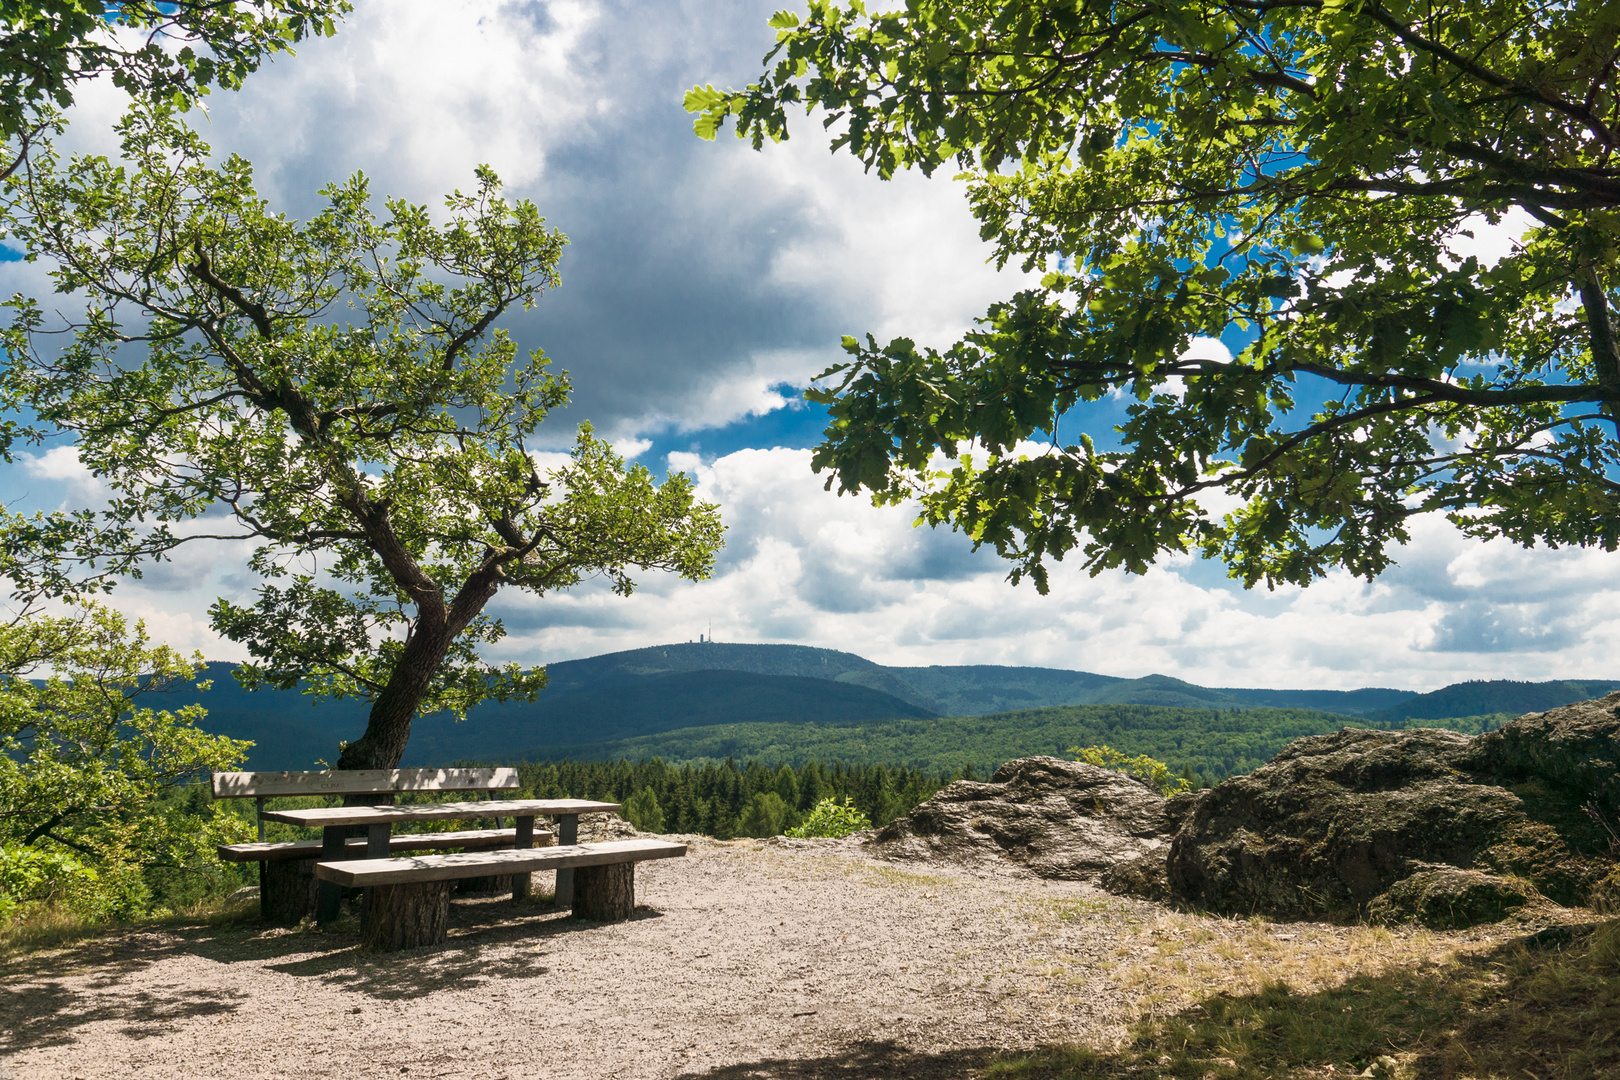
(408, 904)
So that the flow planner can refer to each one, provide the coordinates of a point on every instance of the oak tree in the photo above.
(171, 51)
(1300, 179)
(337, 394)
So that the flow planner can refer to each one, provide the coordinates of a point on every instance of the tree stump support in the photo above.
(406, 916)
(605, 893)
(287, 890)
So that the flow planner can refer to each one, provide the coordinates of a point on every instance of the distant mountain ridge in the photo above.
(620, 697)
(1480, 697)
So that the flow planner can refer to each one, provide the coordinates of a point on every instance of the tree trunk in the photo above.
(388, 728)
(287, 890)
(605, 893)
(406, 916)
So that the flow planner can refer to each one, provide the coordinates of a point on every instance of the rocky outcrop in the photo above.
(1424, 825)
(1575, 748)
(1446, 898)
(1059, 819)
(1337, 821)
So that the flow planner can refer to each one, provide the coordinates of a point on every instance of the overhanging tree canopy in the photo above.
(1299, 177)
(335, 392)
(161, 50)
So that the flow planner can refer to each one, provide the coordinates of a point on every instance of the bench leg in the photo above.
(406, 916)
(567, 834)
(376, 848)
(525, 840)
(605, 893)
(333, 849)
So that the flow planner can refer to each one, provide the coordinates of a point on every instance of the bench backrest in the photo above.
(261, 785)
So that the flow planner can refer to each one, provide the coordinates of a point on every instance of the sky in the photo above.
(704, 285)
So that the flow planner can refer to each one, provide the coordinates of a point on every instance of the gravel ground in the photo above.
(790, 959)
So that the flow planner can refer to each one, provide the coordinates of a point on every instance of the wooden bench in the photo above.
(287, 883)
(408, 904)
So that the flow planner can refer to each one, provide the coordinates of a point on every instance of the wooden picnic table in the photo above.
(342, 816)
(334, 821)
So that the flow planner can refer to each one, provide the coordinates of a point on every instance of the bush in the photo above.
(642, 811)
(832, 818)
(29, 873)
(1156, 774)
(766, 815)
(93, 784)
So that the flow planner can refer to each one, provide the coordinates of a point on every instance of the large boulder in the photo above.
(1423, 825)
(1060, 819)
(1575, 748)
(1335, 821)
(1446, 898)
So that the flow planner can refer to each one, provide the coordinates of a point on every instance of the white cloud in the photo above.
(701, 279)
(55, 480)
(805, 566)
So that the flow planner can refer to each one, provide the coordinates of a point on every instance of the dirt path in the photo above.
(746, 960)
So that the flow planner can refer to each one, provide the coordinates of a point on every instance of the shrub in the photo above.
(832, 818)
(766, 815)
(1156, 774)
(642, 811)
(29, 873)
(91, 781)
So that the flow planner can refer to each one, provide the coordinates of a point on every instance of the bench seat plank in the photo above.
(258, 785)
(360, 872)
(311, 849)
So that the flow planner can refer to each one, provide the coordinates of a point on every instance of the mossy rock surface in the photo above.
(1336, 821)
(1446, 898)
(1575, 749)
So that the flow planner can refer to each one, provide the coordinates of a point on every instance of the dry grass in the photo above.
(48, 926)
(1230, 1000)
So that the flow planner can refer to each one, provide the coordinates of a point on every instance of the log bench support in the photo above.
(405, 916)
(289, 889)
(402, 916)
(605, 893)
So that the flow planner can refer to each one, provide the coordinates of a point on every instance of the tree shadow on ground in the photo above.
(1542, 1006)
(47, 1015)
(859, 1061)
(38, 1008)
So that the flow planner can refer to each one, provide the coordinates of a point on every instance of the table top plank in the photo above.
(251, 785)
(449, 811)
(360, 872)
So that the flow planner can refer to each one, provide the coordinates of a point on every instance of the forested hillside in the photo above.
(707, 701)
(1206, 744)
(1495, 696)
(723, 798)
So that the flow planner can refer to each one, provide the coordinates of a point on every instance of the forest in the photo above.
(1204, 745)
